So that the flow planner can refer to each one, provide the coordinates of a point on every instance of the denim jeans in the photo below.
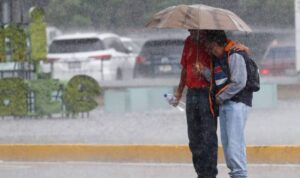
(202, 133)
(233, 116)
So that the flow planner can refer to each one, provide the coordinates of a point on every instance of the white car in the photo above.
(101, 56)
(52, 32)
(134, 49)
(131, 45)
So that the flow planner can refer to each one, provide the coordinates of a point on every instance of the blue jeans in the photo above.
(233, 116)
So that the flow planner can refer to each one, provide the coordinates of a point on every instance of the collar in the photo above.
(229, 45)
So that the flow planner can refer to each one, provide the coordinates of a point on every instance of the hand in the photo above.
(240, 47)
(198, 68)
(174, 103)
(219, 100)
(178, 96)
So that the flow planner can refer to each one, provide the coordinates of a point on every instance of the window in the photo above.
(76, 45)
(163, 47)
(115, 44)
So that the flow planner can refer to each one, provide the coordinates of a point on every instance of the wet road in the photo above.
(264, 127)
(129, 170)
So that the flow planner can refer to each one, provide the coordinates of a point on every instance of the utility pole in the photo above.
(17, 11)
(12, 11)
(297, 34)
(6, 11)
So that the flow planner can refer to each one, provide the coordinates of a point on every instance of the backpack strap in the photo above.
(212, 104)
(229, 51)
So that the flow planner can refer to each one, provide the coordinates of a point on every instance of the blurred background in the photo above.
(128, 69)
(134, 67)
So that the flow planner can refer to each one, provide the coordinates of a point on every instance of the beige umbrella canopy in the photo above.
(198, 17)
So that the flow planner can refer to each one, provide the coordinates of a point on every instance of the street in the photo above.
(129, 170)
(274, 126)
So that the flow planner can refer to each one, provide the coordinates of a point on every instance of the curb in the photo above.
(279, 154)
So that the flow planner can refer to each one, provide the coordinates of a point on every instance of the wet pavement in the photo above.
(264, 127)
(130, 170)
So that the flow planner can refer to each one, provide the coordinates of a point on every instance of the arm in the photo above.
(238, 71)
(202, 71)
(181, 85)
(241, 47)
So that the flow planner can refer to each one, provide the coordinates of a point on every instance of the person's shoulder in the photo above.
(188, 39)
(237, 54)
(236, 58)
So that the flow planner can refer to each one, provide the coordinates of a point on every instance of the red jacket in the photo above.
(188, 62)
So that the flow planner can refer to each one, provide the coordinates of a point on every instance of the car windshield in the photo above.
(281, 53)
(76, 45)
(165, 47)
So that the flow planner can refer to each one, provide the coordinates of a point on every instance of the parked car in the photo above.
(159, 58)
(134, 49)
(52, 32)
(101, 56)
(279, 59)
(131, 45)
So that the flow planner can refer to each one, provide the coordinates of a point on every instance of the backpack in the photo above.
(253, 78)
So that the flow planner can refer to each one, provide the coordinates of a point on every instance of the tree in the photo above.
(276, 13)
(68, 13)
(113, 14)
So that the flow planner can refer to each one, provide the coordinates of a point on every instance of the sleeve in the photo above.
(206, 73)
(238, 71)
(206, 63)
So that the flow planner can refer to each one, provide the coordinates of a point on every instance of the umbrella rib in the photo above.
(240, 24)
(241, 27)
(187, 14)
(171, 12)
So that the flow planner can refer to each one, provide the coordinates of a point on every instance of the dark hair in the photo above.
(218, 36)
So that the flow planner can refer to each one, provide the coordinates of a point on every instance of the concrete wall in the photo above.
(137, 99)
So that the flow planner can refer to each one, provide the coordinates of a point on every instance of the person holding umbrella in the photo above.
(201, 117)
(201, 125)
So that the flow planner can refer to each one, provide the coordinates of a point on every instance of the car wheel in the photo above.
(119, 74)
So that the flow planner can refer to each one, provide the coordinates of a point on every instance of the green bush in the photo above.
(44, 103)
(38, 37)
(2, 45)
(17, 37)
(78, 96)
(37, 14)
(13, 97)
(80, 93)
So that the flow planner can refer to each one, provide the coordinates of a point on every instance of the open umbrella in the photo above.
(198, 17)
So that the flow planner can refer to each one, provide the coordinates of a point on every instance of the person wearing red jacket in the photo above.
(202, 126)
